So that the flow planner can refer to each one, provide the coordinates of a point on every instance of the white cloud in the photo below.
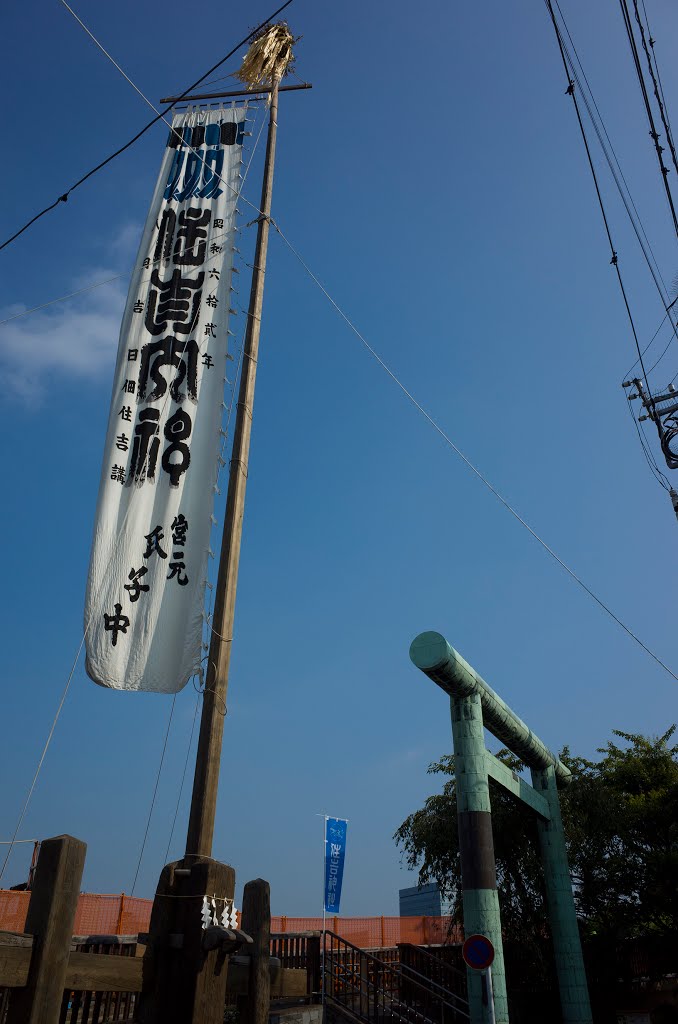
(77, 337)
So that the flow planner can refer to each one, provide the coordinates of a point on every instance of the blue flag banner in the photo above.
(335, 850)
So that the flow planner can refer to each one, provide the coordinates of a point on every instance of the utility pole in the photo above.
(208, 757)
(662, 410)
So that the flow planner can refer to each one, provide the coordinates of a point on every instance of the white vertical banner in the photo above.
(145, 591)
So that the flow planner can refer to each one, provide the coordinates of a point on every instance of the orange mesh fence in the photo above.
(128, 915)
(377, 932)
(13, 910)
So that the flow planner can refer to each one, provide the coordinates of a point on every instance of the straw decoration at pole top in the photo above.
(269, 57)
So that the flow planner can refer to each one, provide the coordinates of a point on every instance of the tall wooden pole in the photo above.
(208, 758)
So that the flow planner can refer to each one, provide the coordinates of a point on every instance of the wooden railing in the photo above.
(300, 951)
(104, 975)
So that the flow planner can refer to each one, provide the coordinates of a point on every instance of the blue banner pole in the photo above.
(322, 995)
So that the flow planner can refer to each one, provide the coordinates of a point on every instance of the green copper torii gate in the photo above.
(475, 705)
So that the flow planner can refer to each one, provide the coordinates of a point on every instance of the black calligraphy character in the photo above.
(207, 361)
(190, 246)
(177, 569)
(138, 306)
(153, 543)
(135, 589)
(214, 248)
(126, 413)
(214, 273)
(118, 474)
(177, 429)
(116, 623)
(171, 302)
(163, 246)
(132, 354)
(218, 222)
(147, 262)
(122, 442)
(171, 352)
(212, 301)
(146, 446)
(210, 329)
(129, 386)
(179, 531)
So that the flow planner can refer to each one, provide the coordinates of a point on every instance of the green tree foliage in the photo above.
(621, 822)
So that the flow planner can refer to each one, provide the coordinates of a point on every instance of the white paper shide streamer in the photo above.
(145, 591)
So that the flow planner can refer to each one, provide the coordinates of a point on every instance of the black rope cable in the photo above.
(655, 85)
(614, 259)
(654, 135)
(64, 198)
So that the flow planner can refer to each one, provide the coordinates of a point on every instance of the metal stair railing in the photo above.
(433, 967)
(375, 992)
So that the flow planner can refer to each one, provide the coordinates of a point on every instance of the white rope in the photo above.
(471, 466)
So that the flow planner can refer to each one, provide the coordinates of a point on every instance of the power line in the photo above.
(655, 85)
(656, 66)
(448, 440)
(614, 261)
(160, 116)
(616, 172)
(648, 109)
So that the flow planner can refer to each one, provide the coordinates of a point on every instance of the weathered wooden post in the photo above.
(51, 913)
(184, 981)
(256, 921)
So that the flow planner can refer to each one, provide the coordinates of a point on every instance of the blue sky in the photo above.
(435, 181)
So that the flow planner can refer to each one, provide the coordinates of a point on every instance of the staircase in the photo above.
(360, 987)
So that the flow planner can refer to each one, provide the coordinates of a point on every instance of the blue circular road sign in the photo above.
(478, 952)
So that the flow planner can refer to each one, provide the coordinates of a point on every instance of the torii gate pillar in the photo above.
(475, 706)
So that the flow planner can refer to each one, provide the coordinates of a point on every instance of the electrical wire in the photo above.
(160, 116)
(647, 347)
(155, 793)
(658, 95)
(612, 161)
(661, 479)
(616, 171)
(614, 261)
(656, 67)
(648, 109)
(448, 440)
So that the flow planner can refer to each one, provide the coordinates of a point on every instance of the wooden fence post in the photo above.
(51, 913)
(121, 910)
(256, 921)
(182, 983)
